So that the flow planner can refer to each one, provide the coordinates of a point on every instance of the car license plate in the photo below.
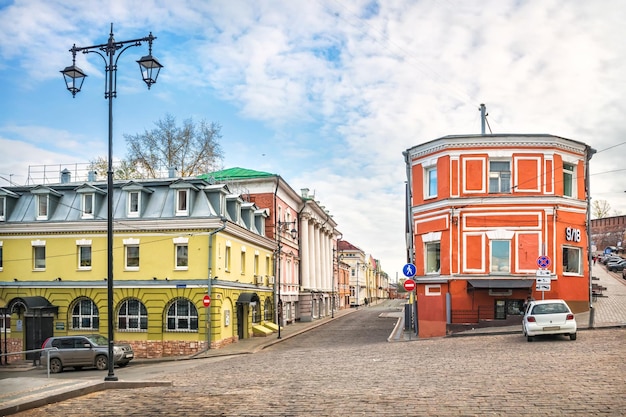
(128, 355)
(549, 328)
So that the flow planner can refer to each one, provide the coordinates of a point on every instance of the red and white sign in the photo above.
(206, 300)
(409, 285)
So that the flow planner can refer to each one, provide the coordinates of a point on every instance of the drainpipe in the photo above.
(589, 152)
(210, 278)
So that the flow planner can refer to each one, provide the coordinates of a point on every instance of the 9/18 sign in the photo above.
(572, 235)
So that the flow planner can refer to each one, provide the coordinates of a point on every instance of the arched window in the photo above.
(182, 316)
(268, 310)
(85, 315)
(256, 312)
(132, 316)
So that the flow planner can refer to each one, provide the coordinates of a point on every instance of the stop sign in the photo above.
(206, 300)
(409, 285)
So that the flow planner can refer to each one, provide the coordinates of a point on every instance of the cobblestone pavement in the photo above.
(360, 374)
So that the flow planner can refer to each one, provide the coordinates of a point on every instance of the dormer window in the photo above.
(46, 200)
(183, 197)
(90, 199)
(182, 202)
(42, 207)
(88, 203)
(134, 203)
(137, 198)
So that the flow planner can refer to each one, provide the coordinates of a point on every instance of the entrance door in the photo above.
(240, 321)
(36, 331)
(500, 313)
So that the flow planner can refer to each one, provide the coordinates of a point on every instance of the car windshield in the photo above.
(551, 308)
(98, 340)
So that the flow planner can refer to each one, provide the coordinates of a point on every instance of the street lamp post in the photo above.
(74, 78)
(279, 302)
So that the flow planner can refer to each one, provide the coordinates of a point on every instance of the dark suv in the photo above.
(83, 351)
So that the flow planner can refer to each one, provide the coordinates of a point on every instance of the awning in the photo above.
(501, 283)
(31, 304)
(247, 298)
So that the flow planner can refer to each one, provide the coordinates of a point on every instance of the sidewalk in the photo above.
(20, 392)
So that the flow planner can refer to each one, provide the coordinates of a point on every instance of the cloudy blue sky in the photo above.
(326, 93)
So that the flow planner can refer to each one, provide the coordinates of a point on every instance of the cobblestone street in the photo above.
(346, 368)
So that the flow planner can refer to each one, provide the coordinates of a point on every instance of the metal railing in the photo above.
(47, 350)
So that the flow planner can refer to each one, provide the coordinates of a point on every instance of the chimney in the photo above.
(66, 176)
(91, 176)
(304, 192)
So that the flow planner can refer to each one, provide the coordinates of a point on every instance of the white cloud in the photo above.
(345, 87)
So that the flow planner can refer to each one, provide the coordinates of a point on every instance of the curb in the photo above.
(62, 394)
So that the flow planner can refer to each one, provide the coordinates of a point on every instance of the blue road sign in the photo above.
(409, 270)
(543, 261)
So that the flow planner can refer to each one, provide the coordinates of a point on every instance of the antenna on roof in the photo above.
(483, 119)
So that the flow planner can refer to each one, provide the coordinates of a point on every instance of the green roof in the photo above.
(235, 173)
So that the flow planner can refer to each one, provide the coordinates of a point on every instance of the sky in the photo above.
(325, 93)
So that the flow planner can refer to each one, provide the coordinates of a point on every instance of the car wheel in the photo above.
(102, 362)
(530, 338)
(56, 366)
(572, 336)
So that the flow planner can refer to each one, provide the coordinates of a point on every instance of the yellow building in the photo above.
(174, 242)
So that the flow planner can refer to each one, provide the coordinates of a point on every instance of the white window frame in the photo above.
(86, 214)
(227, 256)
(182, 202)
(181, 242)
(571, 173)
(429, 172)
(130, 206)
(128, 245)
(80, 245)
(492, 259)
(579, 271)
(141, 317)
(190, 317)
(498, 175)
(43, 206)
(92, 316)
(37, 246)
(243, 260)
(427, 266)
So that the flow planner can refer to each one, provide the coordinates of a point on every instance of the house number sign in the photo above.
(572, 235)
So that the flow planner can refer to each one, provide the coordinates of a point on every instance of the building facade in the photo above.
(174, 242)
(307, 278)
(487, 216)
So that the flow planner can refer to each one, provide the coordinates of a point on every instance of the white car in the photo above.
(544, 317)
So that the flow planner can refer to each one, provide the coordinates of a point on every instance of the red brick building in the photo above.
(483, 210)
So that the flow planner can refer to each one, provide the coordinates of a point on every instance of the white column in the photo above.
(327, 262)
(311, 255)
(304, 254)
(318, 263)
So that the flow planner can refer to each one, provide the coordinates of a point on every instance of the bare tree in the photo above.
(600, 209)
(122, 170)
(192, 149)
